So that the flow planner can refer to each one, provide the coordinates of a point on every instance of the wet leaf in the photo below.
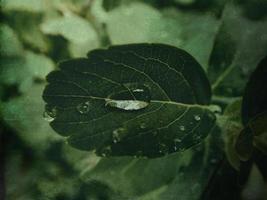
(185, 174)
(138, 99)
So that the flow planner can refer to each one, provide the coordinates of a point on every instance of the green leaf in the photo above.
(24, 114)
(254, 111)
(231, 126)
(26, 25)
(25, 5)
(139, 99)
(239, 45)
(78, 31)
(193, 32)
(25, 69)
(10, 45)
(186, 175)
(255, 96)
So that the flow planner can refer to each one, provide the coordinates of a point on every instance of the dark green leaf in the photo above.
(184, 175)
(255, 96)
(254, 111)
(140, 99)
(239, 45)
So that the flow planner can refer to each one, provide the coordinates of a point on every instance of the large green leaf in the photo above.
(139, 99)
(254, 113)
(193, 32)
(239, 45)
(184, 175)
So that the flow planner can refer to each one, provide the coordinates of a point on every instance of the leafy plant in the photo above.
(169, 103)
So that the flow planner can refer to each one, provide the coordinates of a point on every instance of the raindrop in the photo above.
(115, 140)
(134, 97)
(106, 151)
(103, 155)
(138, 90)
(175, 148)
(177, 140)
(50, 113)
(118, 133)
(197, 117)
(47, 117)
(182, 128)
(84, 108)
(127, 104)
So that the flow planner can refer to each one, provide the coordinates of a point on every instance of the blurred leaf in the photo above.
(10, 45)
(77, 30)
(26, 25)
(239, 45)
(142, 23)
(231, 127)
(24, 114)
(24, 70)
(24, 5)
(127, 105)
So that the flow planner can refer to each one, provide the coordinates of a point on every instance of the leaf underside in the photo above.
(138, 99)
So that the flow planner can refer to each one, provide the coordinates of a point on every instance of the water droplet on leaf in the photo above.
(50, 113)
(118, 134)
(134, 97)
(182, 128)
(84, 108)
(127, 104)
(175, 148)
(197, 118)
(177, 140)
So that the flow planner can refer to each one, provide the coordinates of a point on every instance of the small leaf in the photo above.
(139, 98)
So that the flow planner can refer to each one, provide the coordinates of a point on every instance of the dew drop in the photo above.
(115, 141)
(182, 128)
(177, 140)
(50, 113)
(106, 151)
(118, 134)
(197, 118)
(127, 104)
(136, 97)
(103, 155)
(47, 117)
(84, 108)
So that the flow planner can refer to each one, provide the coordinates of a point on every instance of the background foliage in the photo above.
(228, 39)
